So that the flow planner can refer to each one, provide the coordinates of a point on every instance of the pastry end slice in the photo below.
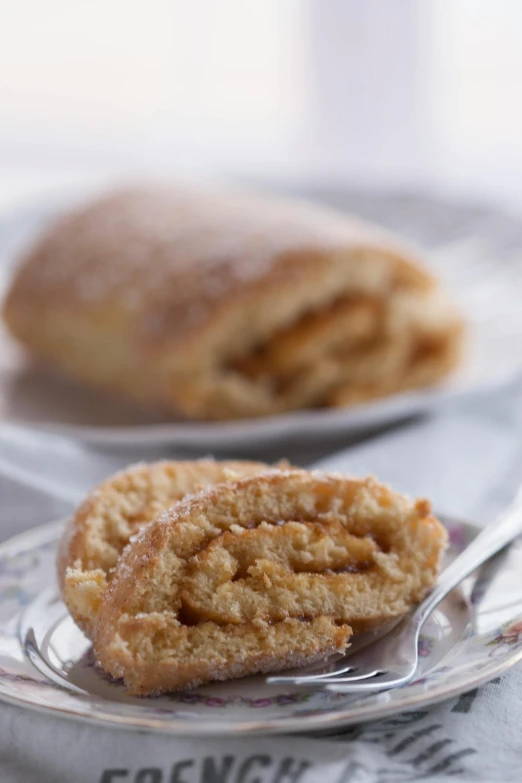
(256, 575)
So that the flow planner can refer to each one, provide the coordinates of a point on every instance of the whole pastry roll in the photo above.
(269, 572)
(214, 305)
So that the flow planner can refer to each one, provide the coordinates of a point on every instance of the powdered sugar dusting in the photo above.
(171, 254)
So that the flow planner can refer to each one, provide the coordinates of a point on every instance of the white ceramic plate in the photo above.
(46, 662)
(478, 252)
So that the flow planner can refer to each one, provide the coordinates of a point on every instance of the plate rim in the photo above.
(299, 425)
(50, 531)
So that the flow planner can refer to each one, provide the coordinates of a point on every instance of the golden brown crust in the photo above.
(115, 511)
(261, 573)
(175, 296)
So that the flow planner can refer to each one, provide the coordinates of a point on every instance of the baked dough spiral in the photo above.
(115, 511)
(261, 574)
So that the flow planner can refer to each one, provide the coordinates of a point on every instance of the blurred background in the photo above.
(409, 94)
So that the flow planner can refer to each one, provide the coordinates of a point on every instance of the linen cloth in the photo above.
(467, 458)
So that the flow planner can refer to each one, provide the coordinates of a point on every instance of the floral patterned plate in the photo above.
(46, 662)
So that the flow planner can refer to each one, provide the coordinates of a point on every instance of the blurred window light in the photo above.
(473, 63)
(342, 89)
(114, 69)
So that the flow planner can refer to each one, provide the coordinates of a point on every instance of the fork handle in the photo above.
(490, 541)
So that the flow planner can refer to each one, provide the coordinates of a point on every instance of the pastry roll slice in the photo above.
(216, 305)
(115, 511)
(258, 575)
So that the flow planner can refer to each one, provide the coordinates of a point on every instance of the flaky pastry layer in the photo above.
(115, 511)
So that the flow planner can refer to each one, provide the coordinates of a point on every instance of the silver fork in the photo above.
(392, 660)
